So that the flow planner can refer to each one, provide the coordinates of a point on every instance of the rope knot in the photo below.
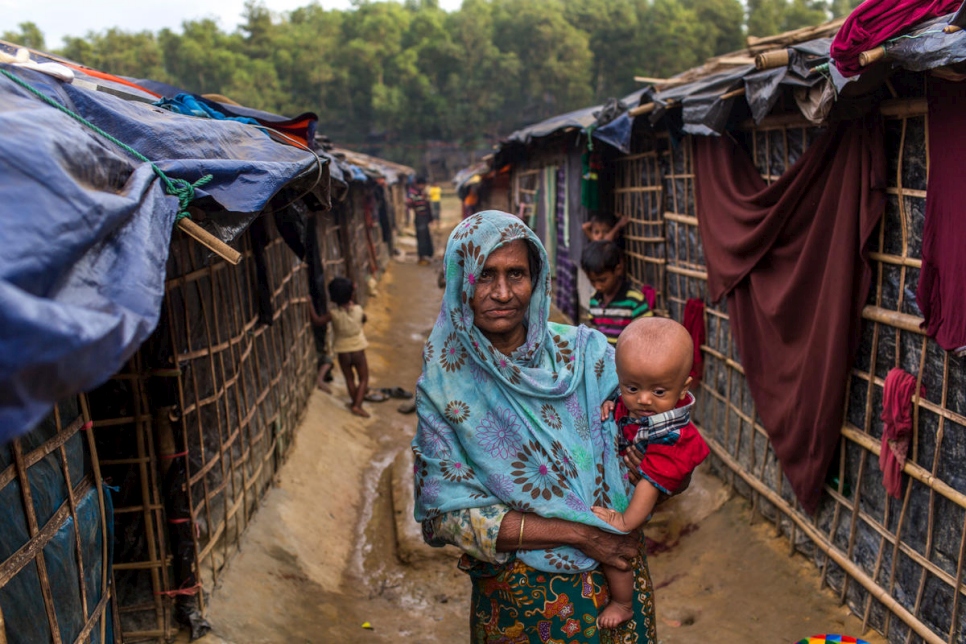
(183, 189)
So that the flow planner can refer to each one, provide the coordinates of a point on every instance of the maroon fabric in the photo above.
(694, 323)
(875, 21)
(790, 257)
(941, 294)
(897, 396)
(650, 296)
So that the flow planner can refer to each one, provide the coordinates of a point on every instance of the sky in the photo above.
(59, 18)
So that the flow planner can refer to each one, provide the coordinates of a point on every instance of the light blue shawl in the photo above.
(522, 430)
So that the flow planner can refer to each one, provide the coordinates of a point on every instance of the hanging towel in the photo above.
(650, 296)
(694, 323)
(897, 429)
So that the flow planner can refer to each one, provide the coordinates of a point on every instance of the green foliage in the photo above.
(400, 73)
(28, 36)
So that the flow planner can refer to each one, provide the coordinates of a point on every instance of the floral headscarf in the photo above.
(522, 430)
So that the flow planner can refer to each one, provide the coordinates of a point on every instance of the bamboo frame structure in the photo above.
(898, 563)
(640, 198)
(123, 431)
(51, 484)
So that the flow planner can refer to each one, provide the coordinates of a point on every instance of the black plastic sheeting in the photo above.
(21, 600)
(82, 258)
(613, 131)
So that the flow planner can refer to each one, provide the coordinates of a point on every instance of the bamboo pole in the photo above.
(866, 58)
(209, 241)
(904, 107)
(896, 319)
(772, 59)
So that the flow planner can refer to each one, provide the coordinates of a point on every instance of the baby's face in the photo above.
(653, 385)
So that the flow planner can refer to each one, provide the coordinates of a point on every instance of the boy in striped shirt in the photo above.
(615, 303)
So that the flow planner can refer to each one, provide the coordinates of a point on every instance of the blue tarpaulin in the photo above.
(86, 228)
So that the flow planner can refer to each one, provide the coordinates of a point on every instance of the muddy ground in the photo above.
(334, 547)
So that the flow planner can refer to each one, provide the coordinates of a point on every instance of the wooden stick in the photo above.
(732, 94)
(902, 321)
(772, 59)
(650, 80)
(904, 107)
(868, 57)
(209, 241)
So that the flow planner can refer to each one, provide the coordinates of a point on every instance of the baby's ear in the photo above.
(687, 387)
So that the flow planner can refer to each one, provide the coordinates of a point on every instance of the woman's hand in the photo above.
(609, 548)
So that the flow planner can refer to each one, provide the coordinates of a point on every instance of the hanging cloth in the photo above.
(897, 395)
(650, 296)
(875, 21)
(694, 323)
(941, 294)
(548, 195)
(790, 257)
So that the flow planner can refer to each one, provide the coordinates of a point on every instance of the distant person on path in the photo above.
(470, 201)
(348, 340)
(653, 412)
(615, 303)
(435, 202)
(417, 201)
(511, 454)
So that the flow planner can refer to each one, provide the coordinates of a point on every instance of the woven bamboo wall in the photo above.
(195, 427)
(55, 540)
(898, 563)
(639, 195)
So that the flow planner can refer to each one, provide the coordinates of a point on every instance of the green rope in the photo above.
(180, 188)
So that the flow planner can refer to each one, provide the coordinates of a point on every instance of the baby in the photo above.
(653, 413)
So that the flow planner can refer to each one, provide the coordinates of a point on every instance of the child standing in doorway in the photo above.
(615, 303)
(653, 414)
(348, 341)
(603, 226)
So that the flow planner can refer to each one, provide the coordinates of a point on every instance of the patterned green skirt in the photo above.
(516, 604)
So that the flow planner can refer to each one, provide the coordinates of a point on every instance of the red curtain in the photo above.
(790, 257)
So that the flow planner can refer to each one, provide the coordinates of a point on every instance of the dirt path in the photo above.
(334, 546)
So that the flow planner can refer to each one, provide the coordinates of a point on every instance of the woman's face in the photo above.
(503, 291)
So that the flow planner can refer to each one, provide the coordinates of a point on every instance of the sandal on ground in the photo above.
(375, 395)
(406, 408)
(397, 392)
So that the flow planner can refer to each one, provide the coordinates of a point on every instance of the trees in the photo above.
(402, 73)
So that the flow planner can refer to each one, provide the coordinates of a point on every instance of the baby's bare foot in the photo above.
(614, 615)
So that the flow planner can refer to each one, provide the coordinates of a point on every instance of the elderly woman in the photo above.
(510, 451)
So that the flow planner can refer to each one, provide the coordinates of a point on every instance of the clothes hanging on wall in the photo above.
(694, 323)
(897, 395)
(263, 286)
(941, 294)
(790, 257)
(650, 296)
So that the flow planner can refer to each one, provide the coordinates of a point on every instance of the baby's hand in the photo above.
(612, 517)
(606, 410)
